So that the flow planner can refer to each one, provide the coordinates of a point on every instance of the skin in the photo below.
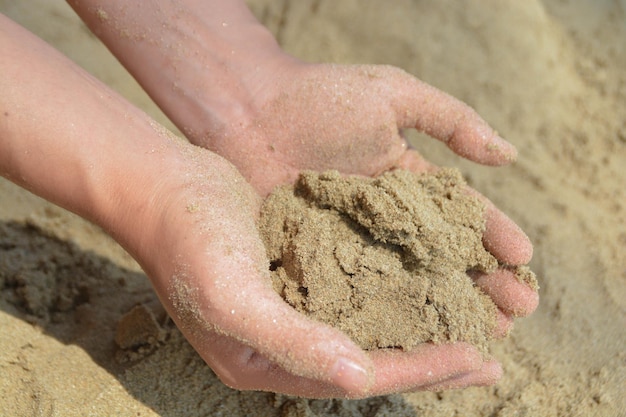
(254, 117)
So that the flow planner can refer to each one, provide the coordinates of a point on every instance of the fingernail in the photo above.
(349, 375)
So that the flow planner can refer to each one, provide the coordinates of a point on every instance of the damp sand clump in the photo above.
(383, 259)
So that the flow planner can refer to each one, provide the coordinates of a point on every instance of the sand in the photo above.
(383, 259)
(548, 75)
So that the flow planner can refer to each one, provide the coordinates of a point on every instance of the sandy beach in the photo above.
(549, 75)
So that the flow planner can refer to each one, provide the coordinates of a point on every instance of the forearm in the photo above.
(198, 59)
(65, 136)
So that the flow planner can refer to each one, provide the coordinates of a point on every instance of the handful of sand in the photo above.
(383, 259)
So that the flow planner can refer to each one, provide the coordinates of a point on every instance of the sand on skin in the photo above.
(547, 75)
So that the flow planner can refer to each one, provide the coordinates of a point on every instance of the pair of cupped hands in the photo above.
(211, 270)
(256, 117)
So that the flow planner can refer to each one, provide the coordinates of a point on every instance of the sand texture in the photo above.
(382, 259)
(81, 331)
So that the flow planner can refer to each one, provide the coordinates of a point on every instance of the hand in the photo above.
(193, 230)
(349, 118)
(208, 265)
(229, 88)
(68, 138)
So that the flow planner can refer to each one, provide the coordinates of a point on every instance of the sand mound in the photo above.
(382, 259)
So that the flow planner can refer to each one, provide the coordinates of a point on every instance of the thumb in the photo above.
(423, 107)
(240, 303)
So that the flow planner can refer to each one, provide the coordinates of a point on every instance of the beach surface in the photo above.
(82, 332)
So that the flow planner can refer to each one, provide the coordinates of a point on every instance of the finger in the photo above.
(502, 237)
(510, 295)
(447, 119)
(428, 364)
(489, 374)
